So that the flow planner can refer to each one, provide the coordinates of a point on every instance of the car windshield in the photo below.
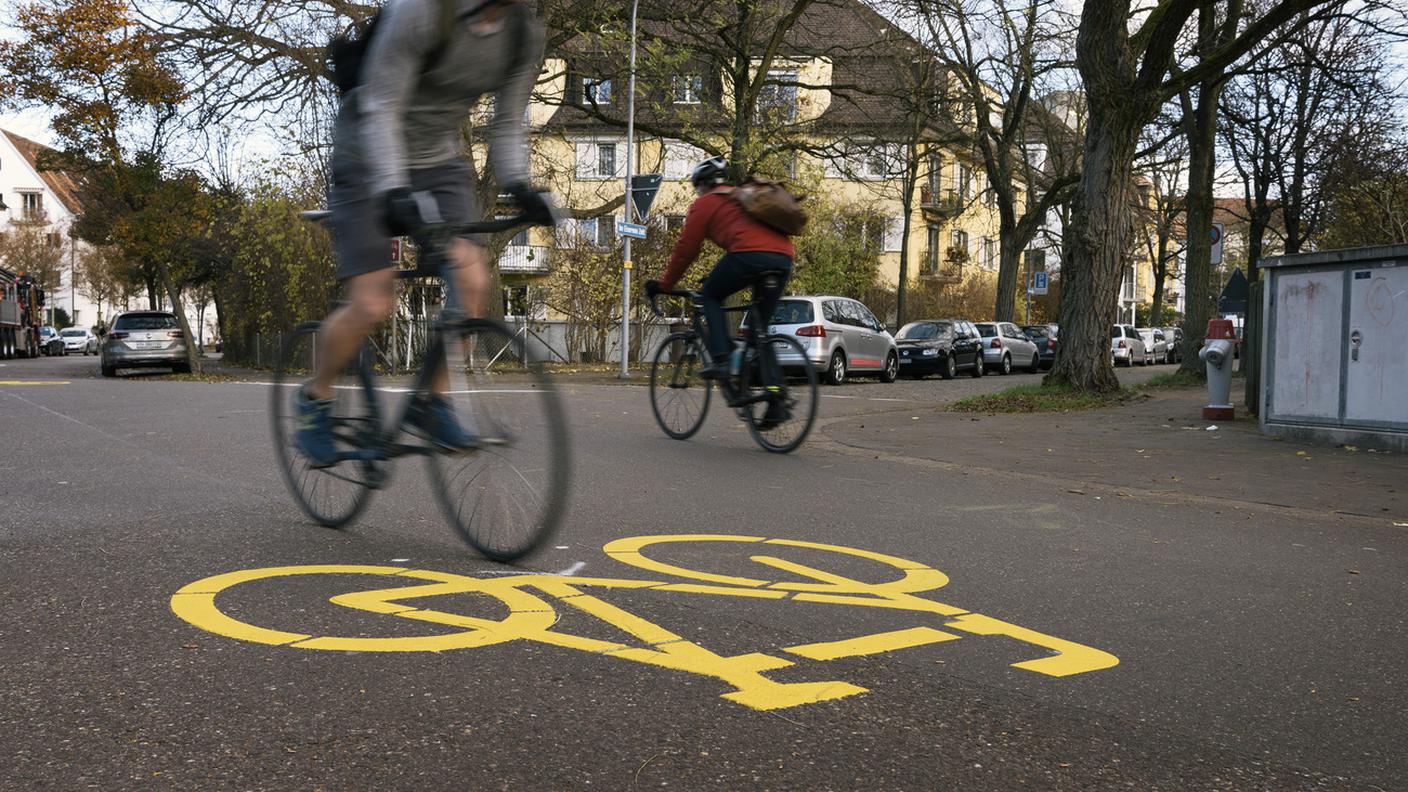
(1036, 332)
(146, 322)
(921, 331)
(792, 312)
(987, 330)
(72, 334)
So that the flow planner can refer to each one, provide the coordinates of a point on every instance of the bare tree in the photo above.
(1128, 76)
(999, 59)
(1289, 118)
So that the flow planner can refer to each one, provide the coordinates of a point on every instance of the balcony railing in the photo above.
(931, 267)
(524, 260)
(944, 203)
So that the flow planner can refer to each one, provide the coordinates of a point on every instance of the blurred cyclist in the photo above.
(396, 168)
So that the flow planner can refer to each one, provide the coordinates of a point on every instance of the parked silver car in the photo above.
(842, 337)
(1005, 346)
(144, 338)
(1127, 346)
(1154, 344)
(79, 340)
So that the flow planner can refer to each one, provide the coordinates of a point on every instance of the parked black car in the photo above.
(940, 346)
(1174, 337)
(1046, 337)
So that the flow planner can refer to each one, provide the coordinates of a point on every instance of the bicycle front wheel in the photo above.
(679, 397)
(331, 496)
(785, 406)
(505, 495)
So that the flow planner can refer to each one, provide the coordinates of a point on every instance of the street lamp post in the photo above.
(626, 207)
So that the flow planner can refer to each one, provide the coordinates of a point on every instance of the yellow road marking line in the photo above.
(35, 382)
(872, 644)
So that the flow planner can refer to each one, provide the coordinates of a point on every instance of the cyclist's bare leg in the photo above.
(370, 298)
(471, 273)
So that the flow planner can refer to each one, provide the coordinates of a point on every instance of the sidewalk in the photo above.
(1155, 446)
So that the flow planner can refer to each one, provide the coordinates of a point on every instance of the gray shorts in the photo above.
(359, 235)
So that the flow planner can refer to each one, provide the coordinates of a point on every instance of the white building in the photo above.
(50, 202)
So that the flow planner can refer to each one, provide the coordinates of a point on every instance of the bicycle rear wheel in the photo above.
(506, 494)
(793, 404)
(679, 397)
(332, 496)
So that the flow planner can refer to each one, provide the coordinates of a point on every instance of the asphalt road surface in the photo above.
(710, 617)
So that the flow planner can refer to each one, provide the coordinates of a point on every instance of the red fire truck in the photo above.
(21, 309)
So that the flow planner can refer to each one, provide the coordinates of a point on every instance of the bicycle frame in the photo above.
(771, 370)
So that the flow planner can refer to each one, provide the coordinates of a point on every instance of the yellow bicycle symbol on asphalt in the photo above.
(532, 600)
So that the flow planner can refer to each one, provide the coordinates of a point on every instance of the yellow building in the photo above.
(848, 154)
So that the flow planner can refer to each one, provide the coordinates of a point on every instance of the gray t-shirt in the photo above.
(403, 117)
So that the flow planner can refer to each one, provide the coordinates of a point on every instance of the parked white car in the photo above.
(79, 340)
(1127, 346)
(1006, 346)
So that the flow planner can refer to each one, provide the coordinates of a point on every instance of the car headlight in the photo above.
(931, 353)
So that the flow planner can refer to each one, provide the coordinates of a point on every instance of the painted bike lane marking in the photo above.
(533, 602)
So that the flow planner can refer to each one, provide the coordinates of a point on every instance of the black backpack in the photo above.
(347, 51)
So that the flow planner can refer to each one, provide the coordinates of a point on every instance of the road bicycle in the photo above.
(505, 493)
(679, 397)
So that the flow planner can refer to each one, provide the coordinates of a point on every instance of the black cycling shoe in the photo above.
(777, 413)
(718, 371)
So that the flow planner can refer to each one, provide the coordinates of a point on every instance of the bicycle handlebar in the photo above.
(655, 301)
(493, 226)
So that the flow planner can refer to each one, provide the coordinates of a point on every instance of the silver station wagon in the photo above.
(144, 338)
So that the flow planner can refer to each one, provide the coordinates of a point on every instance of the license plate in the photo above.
(146, 344)
(905, 360)
(781, 345)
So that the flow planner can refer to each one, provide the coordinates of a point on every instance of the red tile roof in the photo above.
(63, 184)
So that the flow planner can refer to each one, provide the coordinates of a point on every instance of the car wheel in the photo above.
(1035, 367)
(108, 371)
(891, 372)
(979, 367)
(950, 369)
(836, 369)
(1006, 365)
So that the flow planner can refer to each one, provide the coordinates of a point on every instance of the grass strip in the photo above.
(1041, 398)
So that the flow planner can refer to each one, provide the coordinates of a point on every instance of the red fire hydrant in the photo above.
(1218, 352)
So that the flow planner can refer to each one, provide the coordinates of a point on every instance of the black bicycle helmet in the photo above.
(709, 172)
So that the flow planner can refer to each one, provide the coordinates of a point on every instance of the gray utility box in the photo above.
(1335, 346)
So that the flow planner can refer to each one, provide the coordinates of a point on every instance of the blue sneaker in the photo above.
(434, 419)
(314, 436)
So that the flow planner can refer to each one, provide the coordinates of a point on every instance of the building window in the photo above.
(1127, 284)
(599, 159)
(520, 239)
(686, 88)
(959, 240)
(989, 253)
(935, 167)
(605, 159)
(596, 90)
(674, 222)
(931, 253)
(32, 206)
(598, 231)
(778, 99)
(680, 159)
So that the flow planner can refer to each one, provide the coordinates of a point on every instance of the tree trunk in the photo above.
(192, 359)
(1009, 265)
(1156, 308)
(1090, 276)
(1202, 155)
(907, 204)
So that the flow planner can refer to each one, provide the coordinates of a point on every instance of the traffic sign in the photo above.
(1039, 282)
(644, 186)
(632, 230)
(1217, 234)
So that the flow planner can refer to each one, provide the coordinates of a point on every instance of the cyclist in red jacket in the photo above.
(750, 249)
